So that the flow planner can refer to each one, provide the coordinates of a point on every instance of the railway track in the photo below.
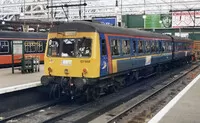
(122, 111)
(23, 111)
(86, 112)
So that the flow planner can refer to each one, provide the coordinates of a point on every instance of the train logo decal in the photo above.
(148, 60)
(104, 65)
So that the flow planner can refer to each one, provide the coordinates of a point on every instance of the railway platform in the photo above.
(14, 82)
(183, 108)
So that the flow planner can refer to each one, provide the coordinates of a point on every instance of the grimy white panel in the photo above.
(36, 9)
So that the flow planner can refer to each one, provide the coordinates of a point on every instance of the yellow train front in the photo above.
(72, 60)
(88, 59)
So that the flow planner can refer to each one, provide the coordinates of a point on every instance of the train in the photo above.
(34, 44)
(85, 59)
(196, 49)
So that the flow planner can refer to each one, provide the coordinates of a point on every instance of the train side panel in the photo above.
(134, 59)
(182, 50)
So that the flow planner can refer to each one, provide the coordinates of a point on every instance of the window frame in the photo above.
(31, 44)
(143, 51)
(128, 42)
(8, 46)
(133, 46)
(149, 42)
(119, 47)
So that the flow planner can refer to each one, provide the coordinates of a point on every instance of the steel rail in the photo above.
(116, 117)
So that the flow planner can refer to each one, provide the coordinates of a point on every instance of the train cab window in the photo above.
(53, 47)
(84, 47)
(76, 47)
(68, 47)
(4, 47)
(148, 47)
(125, 47)
(115, 47)
(103, 47)
(140, 46)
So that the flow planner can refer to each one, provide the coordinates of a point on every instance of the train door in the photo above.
(104, 70)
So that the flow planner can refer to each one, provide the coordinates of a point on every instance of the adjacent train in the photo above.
(34, 45)
(88, 59)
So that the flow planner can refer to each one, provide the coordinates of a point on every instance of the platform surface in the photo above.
(13, 82)
(183, 108)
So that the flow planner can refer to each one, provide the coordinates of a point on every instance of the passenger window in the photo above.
(134, 46)
(30, 46)
(148, 47)
(179, 46)
(163, 46)
(185, 46)
(125, 47)
(154, 46)
(176, 46)
(4, 47)
(168, 46)
(140, 47)
(115, 47)
(157, 46)
(39, 46)
(103, 48)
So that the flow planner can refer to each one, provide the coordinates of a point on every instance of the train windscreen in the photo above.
(70, 47)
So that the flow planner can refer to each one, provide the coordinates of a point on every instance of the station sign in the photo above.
(106, 20)
(17, 47)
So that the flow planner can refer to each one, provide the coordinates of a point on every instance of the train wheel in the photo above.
(87, 95)
(137, 75)
(123, 83)
(158, 70)
(116, 87)
(55, 92)
(95, 93)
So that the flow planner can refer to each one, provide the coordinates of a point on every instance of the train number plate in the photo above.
(67, 62)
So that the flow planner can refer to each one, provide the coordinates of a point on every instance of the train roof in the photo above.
(182, 39)
(24, 35)
(84, 26)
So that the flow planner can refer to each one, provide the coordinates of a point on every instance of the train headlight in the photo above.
(85, 70)
(50, 70)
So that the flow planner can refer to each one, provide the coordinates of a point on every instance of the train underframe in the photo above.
(92, 89)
